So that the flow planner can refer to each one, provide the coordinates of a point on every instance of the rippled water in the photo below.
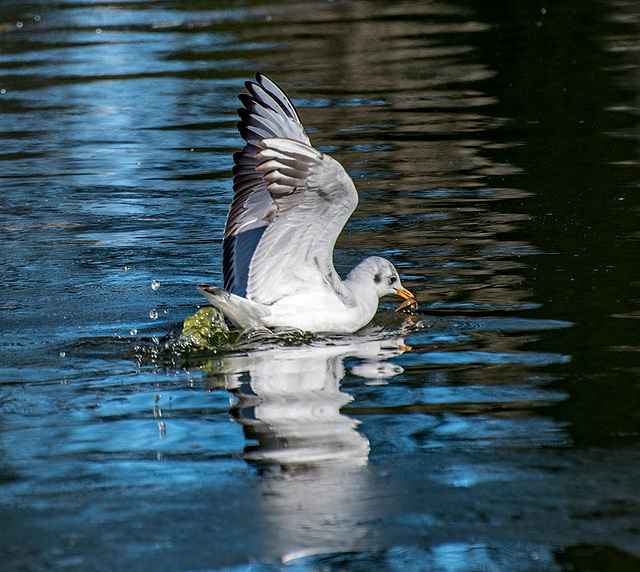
(495, 149)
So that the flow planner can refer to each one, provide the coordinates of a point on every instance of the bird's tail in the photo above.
(243, 313)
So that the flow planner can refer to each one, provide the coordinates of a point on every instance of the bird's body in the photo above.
(314, 309)
(290, 204)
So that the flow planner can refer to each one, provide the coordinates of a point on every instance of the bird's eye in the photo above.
(392, 279)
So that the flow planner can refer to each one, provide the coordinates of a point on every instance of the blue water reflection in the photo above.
(495, 151)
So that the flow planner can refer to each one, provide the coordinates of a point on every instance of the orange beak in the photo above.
(409, 299)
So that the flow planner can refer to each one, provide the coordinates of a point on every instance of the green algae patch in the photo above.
(206, 329)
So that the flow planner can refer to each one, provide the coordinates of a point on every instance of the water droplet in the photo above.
(157, 397)
(165, 311)
(3, 90)
(36, 18)
(19, 24)
(133, 332)
(155, 285)
(153, 315)
(98, 30)
(63, 354)
(155, 340)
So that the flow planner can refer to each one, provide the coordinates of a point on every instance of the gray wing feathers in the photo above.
(314, 198)
(290, 204)
(284, 102)
(285, 166)
(267, 113)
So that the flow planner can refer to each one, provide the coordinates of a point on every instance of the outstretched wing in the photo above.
(267, 112)
(314, 197)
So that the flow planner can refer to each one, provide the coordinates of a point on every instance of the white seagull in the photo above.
(290, 204)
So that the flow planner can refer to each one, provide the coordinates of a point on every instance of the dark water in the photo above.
(495, 146)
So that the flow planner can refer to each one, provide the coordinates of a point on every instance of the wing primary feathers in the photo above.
(237, 252)
(284, 101)
(266, 113)
(290, 203)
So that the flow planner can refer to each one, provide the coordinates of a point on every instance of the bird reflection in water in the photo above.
(289, 400)
(315, 486)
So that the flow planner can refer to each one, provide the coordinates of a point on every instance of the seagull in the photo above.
(289, 206)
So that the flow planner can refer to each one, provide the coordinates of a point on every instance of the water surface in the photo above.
(495, 149)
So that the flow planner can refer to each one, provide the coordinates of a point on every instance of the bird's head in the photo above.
(386, 280)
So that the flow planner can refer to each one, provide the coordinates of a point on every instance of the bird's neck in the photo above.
(363, 290)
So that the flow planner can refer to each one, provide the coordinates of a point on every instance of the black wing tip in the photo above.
(279, 100)
(246, 99)
(263, 81)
